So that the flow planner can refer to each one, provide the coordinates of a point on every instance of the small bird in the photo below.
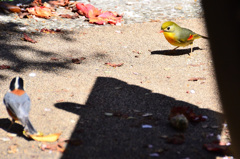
(18, 104)
(179, 36)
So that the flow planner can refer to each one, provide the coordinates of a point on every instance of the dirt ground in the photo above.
(76, 99)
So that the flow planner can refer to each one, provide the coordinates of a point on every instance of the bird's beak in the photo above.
(161, 31)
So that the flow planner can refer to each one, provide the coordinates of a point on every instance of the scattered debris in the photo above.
(155, 154)
(196, 78)
(50, 31)
(145, 126)
(32, 74)
(78, 61)
(108, 114)
(5, 139)
(13, 149)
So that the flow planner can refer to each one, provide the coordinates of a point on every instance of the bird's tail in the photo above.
(28, 126)
(204, 37)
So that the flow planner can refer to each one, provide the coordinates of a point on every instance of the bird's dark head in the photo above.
(16, 83)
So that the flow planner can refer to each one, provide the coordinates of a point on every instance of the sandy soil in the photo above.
(73, 98)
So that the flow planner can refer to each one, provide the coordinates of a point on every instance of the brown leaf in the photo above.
(114, 65)
(196, 78)
(78, 61)
(27, 38)
(4, 67)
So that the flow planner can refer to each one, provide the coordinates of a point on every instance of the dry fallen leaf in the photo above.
(43, 12)
(98, 16)
(27, 38)
(114, 65)
(46, 138)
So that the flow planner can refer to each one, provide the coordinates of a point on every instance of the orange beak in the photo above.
(161, 31)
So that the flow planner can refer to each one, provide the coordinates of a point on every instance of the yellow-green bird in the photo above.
(179, 36)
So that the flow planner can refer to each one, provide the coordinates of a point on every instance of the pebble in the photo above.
(133, 11)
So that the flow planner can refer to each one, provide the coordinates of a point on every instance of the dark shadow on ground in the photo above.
(122, 135)
(9, 51)
(15, 129)
(176, 52)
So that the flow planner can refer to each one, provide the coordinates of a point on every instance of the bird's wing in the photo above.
(186, 35)
(18, 105)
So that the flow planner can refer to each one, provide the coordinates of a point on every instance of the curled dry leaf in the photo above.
(114, 65)
(4, 67)
(27, 38)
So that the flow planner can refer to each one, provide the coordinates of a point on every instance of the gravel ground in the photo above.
(74, 98)
(133, 11)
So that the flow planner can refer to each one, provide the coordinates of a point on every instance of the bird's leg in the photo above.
(175, 48)
(12, 122)
(190, 54)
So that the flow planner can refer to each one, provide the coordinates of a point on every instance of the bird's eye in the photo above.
(168, 28)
